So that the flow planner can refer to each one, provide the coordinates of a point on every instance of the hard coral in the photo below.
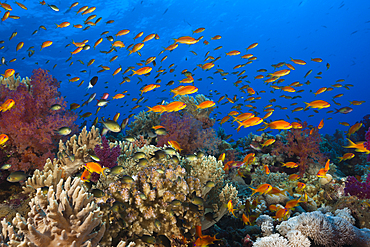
(189, 133)
(30, 124)
(302, 145)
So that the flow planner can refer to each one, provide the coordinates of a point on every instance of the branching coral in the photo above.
(30, 124)
(302, 146)
(188, 132)
(64, 216)
(156, 201)
(143, 123)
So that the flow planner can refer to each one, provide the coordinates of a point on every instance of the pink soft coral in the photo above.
(189, 133)
(30, 124)
(303, 146)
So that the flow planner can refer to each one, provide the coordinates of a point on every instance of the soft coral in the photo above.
(303, 144)
(30, 124)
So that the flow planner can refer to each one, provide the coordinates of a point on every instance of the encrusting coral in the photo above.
(143, 123)
(63, 216)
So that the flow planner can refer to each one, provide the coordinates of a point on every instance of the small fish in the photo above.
(55, 107)
(64, 131)
(5, 166)
(117, 170)
(127, 179)
(98, 193)
(262, 189)
(95, 167)
(16, 176)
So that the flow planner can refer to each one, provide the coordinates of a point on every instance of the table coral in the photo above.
(30, 124)
(301, 145)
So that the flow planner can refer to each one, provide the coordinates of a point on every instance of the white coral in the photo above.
(274, 240)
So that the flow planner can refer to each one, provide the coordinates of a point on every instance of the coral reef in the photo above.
(302, 147)
(107, 155)
(156, 201)
(63, 216)
(321, 229)
(144, 121)
(30, 124)
(199, 114)
(188, 132)
(356, 188)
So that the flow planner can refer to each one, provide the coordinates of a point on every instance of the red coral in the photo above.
(303, 146)
(189, 133)
(30, 124)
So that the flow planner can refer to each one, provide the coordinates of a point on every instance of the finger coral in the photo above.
(30, 124)
(63, 216)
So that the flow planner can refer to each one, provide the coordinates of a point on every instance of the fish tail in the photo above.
(336, 110)
(254, 191)
(307, 105)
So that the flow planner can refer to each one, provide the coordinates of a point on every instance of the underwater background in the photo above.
(160, 168)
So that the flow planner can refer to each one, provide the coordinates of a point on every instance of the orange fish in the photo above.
(279, 124)
(301, 186)
(298, 61)
(292, 203)
(142, 71)
(98, 42)
(149, 37)
(252, 46)
(322, 172)
(175, 106)
(8, 73)
(205, 240)
(281, 213)
(205, 104)
(273, 208)
(318, 60)
(262, 189)
(321, 124)
(63, 24)
(293, 177)
(118, 96)
(157, 108)
(175, 145)
(149, 87)
(19, 46)
(123, 32)
(86, 175)
(230, 207)
(319, 104)
(46, 44)
(233, 53)
(222, 157)
(346, 156)
(95, 167)
(246, 220)
(184, 90)
(353, 129)
(186, 40)
(267, 170)
(7, 105)
(268, 142)
(3, 138)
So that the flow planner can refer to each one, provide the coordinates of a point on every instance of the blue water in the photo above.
(336, 31)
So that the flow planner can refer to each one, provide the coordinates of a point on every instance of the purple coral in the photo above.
(356, 188)
(367, 143)
(30, 124)
(108, 156)
(189, 133)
